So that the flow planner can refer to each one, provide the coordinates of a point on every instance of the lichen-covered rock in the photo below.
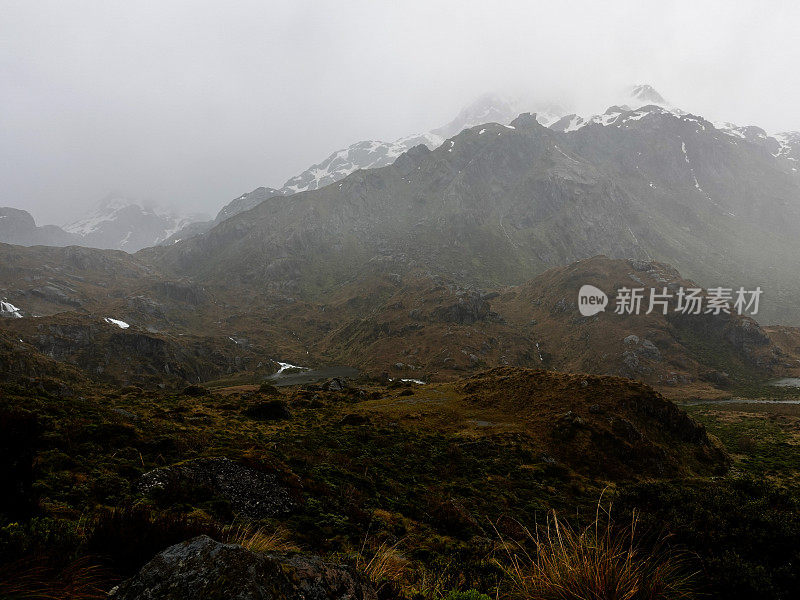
(251, 493)
(202, 568)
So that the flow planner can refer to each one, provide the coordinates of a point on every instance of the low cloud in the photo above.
(190, 104)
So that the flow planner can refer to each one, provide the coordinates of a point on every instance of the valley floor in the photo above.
(432, 482)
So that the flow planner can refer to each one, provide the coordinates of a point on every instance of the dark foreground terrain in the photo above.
(401, 437)
(379, 489)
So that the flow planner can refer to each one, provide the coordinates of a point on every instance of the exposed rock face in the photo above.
(746, 334)
(181, 292)
(470, 308)
(638, 349)
(201, 568)
(251, 493)
(132, 355)
(741, 332)
(55, 295)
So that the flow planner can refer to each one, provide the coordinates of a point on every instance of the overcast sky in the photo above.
(192, 103)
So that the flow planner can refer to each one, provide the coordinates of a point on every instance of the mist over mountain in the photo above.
(643, 179)
(487, 108)
(399, 301)
(371, 154)
(497, 204)
(115, 223)
(18, 227)
(127, 225)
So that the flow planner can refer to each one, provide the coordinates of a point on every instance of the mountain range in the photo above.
(495, 199)
(486, 109)
(123, 224)
(122, 320)
(498, 204)
(372, 154)
(114, 223)
(337, 384)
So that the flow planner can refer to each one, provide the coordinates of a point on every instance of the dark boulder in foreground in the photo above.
(270, 410)
(203, 568)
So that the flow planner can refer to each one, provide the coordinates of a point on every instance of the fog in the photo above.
(190, 104)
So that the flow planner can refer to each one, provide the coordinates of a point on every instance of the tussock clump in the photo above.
(259, 540)
(35, 579)
(600, 562)
(383, 564)
(268, 389)
(271, 410)
(195, 391)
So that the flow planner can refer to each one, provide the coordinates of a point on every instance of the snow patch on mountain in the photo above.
(784, 146)
(117, 322)
(788, 146)
(9, 310)
(372, 154)
(283, 366)
(119, 223)
(106, 210)
(369, 154)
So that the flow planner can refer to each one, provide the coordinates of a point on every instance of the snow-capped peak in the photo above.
(108, 209)
(488, 108)
(121, 223)
(371, 154)
(642, 94)
(621, 116)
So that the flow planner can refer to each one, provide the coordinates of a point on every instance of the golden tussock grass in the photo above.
(599, 562)
(32, 579)
(382, 564)
(259, 540)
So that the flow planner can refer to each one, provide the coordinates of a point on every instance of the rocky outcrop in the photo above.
(56, 295)
(470, 308)
(638, 356)
(252, 494)
(133, 355)
(746, 335)
(177, 291)
(203, 568)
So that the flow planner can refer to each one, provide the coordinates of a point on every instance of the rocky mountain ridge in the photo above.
(128, 226)
(415, 325)
(497, 204)
(115, 223)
